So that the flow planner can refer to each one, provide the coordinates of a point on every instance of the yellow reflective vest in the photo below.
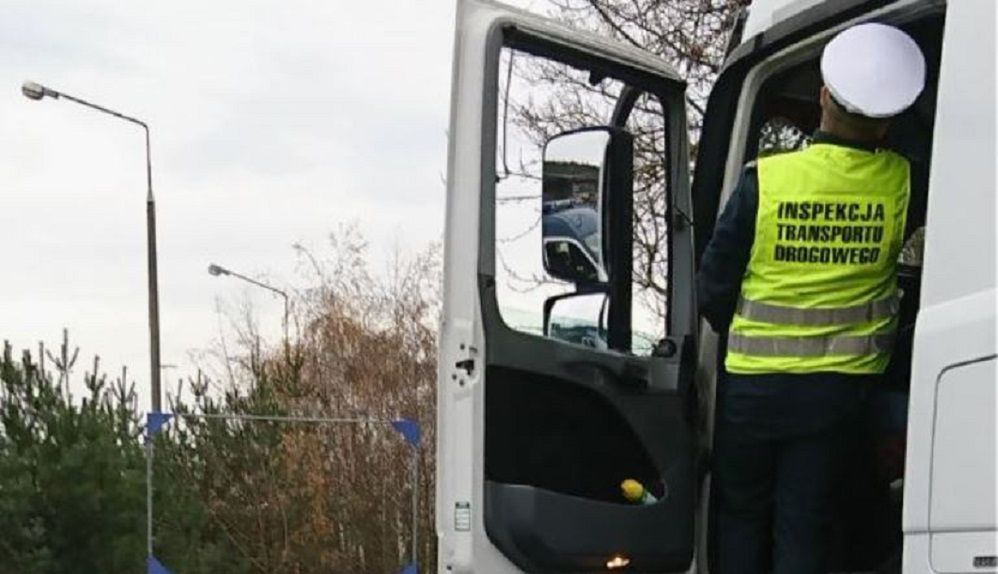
(820, 291)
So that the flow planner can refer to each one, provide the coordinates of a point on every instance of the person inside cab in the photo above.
(801, 275)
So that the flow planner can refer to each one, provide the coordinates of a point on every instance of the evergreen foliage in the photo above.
(72, 476)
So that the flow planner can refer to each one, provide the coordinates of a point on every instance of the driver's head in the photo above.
(871, 73)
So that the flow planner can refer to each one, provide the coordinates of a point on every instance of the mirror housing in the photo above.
(587, 217)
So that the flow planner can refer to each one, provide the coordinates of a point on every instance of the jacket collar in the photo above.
(821, 137)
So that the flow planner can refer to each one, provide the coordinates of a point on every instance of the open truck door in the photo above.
(550, 396)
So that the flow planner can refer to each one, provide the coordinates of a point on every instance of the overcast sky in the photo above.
(272, 123)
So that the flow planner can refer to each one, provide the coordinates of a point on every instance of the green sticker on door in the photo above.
(462, 516)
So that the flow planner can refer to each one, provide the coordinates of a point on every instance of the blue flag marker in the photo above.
(410, 569)
(154, 567)
(155, 422)
(409, 429)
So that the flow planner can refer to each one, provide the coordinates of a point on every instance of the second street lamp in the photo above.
(218, 270)
(34, 91)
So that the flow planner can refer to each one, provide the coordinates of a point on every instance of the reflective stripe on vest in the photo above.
(820, 290)
(864, 312)
(811, 346)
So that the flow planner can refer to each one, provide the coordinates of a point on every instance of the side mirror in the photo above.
(587, 219)
(572, 205)
(578, 318)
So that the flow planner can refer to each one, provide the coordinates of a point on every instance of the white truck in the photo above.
(536, 430)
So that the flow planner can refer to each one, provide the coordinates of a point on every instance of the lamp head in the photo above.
(34, 91)
(216, 270)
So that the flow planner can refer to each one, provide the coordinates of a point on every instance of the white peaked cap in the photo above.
(873, 70)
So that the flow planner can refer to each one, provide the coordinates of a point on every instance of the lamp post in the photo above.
(218, 270)
(34, 91)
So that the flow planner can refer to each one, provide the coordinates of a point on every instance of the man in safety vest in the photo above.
(801, 273)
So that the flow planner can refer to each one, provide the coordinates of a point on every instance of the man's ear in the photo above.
(824, 97)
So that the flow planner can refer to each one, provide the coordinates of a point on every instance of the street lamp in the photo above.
(218, 270)
(34, 91)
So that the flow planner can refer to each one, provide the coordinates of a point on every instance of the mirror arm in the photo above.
(625, 103)
(601, 324)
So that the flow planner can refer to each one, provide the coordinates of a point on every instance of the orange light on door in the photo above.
(617, 562)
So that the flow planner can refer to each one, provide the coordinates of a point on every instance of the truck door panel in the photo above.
(536, 433)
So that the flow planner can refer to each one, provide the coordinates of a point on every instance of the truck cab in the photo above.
(572, 357)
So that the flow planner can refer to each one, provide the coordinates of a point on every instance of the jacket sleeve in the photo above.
(726, 258)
